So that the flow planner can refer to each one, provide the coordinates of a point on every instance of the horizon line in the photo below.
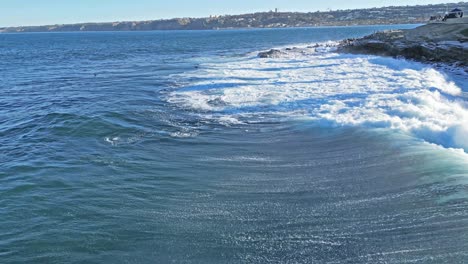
(224, 15)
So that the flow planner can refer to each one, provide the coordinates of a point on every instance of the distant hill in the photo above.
(372, 16)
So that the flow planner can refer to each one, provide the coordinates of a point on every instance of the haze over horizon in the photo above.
(48, 12)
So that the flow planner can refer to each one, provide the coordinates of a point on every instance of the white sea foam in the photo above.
(112, 140)
(335, 89)
(184, 134)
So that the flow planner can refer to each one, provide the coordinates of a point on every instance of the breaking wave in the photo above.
(332, 89)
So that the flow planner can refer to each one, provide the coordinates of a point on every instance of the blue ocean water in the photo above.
(184, 147)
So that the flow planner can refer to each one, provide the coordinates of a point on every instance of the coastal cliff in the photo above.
(432, 43)
(273, 19)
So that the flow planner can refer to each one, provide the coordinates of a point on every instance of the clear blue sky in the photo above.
(41, 12)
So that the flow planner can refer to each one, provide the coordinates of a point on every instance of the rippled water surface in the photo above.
(184, 147)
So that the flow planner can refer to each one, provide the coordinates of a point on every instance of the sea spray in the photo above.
(347, 90)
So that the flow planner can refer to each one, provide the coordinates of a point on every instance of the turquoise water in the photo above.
(183, 147)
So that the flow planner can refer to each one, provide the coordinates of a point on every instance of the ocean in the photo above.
(185, 147)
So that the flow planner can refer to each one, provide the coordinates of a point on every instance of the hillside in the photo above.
(385, 15)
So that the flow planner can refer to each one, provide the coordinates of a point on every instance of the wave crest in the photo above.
(332, 88)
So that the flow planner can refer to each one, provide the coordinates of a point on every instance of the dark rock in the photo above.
(273, 53)
(413, 44)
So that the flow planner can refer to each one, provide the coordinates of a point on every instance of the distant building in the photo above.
(455, 13)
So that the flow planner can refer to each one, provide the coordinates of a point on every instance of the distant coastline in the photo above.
(273, 19)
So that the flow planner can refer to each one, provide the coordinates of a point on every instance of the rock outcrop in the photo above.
(273, 53)
(438, 42)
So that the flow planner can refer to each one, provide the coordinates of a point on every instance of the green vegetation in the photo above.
(385, 15)
(464, 32)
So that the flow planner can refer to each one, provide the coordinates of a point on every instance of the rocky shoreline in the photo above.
(431, 43)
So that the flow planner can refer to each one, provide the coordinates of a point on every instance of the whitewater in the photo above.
(316, 83)
(186, 147)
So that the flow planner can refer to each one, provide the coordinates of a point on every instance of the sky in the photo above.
(47, 12)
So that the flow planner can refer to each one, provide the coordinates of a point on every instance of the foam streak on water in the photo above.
(334, 89)
(184, 147)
